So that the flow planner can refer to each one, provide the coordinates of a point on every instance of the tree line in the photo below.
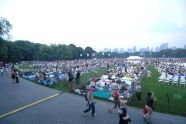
(27, 51)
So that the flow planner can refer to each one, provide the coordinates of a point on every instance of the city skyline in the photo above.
(163, 46)
(99, 24)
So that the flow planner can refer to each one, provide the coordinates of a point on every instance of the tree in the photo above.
(3, 50)
(5, 28)
(74, 50)
(80, 52)
(88, 52)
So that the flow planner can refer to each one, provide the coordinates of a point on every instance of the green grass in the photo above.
(25, 66)
(176, 94)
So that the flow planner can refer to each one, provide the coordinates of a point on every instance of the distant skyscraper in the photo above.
(134, 49)
(185, 46)
(164, 46)
(129, 50)
(121, 50)
(147, 49)
(157, 49)
(115, 50)
(174, 48)
(143, 49)
(106, 50)
(151, 50)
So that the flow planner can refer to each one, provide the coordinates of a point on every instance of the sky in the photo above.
(98, 23)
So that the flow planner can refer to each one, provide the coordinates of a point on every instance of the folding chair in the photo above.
(175, 80)
(182, 81)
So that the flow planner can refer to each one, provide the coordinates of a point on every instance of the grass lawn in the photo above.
(176, 94)
(26, 67)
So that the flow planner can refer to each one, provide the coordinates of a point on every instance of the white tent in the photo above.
(134, 58)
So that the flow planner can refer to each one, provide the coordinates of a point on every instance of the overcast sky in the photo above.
(98, 23)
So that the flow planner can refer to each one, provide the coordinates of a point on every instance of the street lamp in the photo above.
(109, 55)
(103, 54)
(81, 56)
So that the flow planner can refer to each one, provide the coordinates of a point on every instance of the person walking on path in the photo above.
(149, 104)
(2, 70)
(17, 76)
(116, 97)
(90, 100)
(13, 74)
(70, 81)
(6, 70)
(123, 115)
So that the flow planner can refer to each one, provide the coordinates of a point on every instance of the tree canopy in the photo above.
(5, 28)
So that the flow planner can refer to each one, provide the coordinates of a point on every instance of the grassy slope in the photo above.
(177, 95)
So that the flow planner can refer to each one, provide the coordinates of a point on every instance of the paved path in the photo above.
(64, 109)
(15, 95)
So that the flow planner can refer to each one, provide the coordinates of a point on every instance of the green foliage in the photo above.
(28, 51)
(5, 28)
(3, 50)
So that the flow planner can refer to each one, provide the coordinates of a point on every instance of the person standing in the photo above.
(123, 115)
(78, 77)
(13, 75)
(148, 74)
(2, 70)
(70, 80)
(138, 92)
(17, 76)
(6, 70)
(90, 100)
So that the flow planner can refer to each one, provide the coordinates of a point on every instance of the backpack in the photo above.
(86, 98)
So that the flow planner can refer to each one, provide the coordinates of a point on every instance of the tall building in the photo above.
(157, 49)
(115, 50)
(151, 50)
(134, 49)
(174, 48)
(129, 50)
(185, 46)
(164, 46)
(121, 50)
(147, 49)
(144, 49)
(106, 50)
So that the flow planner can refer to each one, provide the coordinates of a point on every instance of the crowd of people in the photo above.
(172, 71)
(122, 79)
(4, 69)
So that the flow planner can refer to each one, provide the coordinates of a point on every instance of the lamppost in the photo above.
(103, 54)
(87, 55)
(109, 55)
(80, 56)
